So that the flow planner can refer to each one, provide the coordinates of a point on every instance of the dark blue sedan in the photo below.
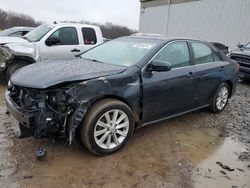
(119, 86)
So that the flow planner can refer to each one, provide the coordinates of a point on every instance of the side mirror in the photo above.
(239, 45)
(159, 66)
(52, 41)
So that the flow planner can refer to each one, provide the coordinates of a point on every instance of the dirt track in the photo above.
(181, 152)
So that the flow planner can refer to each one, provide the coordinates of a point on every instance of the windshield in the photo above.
(38, 33)
(247, 46)
(123, 51)
(6, 32)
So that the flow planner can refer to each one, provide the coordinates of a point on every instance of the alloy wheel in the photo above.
(111, 129)
(222, 98)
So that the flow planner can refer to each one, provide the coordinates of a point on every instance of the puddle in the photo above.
(203, 147)
(161, 155)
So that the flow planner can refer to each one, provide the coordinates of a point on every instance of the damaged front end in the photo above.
(41, 113)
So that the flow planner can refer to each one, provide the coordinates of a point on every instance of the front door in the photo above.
(171, 92)
(66, 49)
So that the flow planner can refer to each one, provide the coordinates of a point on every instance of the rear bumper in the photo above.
(16, 111)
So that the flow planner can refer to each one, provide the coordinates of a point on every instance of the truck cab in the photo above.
(49, 42)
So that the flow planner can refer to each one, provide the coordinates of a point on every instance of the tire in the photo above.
(106, 143)
(12, 68)
(220, 100)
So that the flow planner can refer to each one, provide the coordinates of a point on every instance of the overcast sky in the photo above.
(123, 12)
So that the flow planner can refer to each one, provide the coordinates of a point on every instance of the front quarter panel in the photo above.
(124, 86)
(23, 49)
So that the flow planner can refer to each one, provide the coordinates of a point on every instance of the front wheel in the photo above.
(220, 99)
(107, 127)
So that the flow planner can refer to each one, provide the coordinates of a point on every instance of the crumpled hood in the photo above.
(46, 74)
(23, 49)
(241, 52)
(5, 40)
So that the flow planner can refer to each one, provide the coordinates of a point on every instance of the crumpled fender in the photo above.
(23, 49)
(125, 87)
(76, 120)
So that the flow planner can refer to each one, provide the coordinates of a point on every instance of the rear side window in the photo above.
(16, 34)
(176, 54)
(25, 32)
(220, 46)
(202, 53)
(66, 35)
(89, 36)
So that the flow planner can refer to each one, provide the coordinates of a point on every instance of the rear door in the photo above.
(171, 92)
(66, 49)
(88, 38)
(209, 72)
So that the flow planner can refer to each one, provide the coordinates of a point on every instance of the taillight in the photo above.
(237, 66)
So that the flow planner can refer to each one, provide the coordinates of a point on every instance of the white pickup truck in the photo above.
(47, 42)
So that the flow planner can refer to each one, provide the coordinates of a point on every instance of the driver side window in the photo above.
(176, 54)
(66, 35)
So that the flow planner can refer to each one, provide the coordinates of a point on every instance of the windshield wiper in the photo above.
(94, 60)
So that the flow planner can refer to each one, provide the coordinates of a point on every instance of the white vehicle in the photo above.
(15, 31)
(48, 42)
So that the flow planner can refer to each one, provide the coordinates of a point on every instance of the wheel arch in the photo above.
(16, 59)
(25, 59)
(230, 84)
(136, 114)
(79, 115)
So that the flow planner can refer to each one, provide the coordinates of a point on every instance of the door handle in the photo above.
(190, 74)
(75, 50)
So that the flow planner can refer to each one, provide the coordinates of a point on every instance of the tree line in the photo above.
(111, 31)
(12, 19)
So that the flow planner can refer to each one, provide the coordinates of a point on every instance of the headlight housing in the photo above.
(7, 52)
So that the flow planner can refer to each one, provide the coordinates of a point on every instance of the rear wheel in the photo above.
(107, 127)
(220, 99)
(12, 68)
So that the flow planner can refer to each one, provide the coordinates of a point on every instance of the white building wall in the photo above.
(226, 21)
(153, 20)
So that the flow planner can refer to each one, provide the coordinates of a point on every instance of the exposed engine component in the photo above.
(50, 109)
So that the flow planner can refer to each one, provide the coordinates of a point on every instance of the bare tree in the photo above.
(11, 19)
(109, 30)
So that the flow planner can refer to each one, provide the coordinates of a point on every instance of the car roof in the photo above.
(20, 28)
(164, 38)
(71, 24)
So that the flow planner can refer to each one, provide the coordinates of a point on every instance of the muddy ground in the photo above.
(198, 149)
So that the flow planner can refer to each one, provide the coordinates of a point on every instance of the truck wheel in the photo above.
(107, 127)
(12, 68)
(220, 99)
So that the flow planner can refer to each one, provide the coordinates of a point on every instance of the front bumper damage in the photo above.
(16, 112)
(45, 120)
